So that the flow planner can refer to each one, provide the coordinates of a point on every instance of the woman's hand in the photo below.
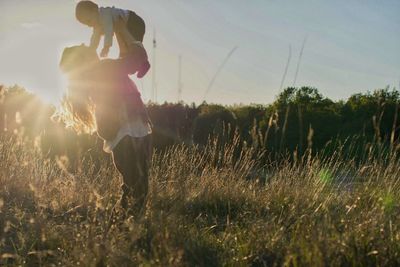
(104, 52)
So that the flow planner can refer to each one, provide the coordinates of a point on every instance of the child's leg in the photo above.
(134, 60)
(137, 28)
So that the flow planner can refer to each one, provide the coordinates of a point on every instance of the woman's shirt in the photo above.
(119, 109)
(133, 127)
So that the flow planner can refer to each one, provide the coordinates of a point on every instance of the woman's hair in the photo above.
(77, 109)
(85, 8)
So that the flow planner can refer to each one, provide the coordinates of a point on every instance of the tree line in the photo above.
(299, 119)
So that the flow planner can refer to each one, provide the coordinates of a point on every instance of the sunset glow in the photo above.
(345, 51)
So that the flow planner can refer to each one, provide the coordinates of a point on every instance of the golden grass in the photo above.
(205, 208)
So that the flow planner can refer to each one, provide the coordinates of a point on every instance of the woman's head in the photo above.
(78, 62)
(78, 59)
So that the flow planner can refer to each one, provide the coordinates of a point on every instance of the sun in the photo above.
(51, 91)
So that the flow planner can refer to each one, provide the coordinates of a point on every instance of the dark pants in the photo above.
(135, 56)
(132, 159)
(136, 26)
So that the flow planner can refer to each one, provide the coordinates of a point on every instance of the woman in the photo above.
(101, 97)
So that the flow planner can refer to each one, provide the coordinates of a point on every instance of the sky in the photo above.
(351, 46)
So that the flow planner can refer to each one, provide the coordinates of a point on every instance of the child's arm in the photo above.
(95, 39)
(106, 20)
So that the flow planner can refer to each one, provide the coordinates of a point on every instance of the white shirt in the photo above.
(134, 127)
(111, 20)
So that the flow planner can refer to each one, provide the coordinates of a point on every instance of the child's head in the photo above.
(87, 12)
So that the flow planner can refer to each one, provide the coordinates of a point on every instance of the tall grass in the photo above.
(206, 207)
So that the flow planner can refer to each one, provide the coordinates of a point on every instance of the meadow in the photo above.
(306, 179)
(205, 208)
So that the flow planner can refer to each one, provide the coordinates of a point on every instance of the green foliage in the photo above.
(298, 120)
(212, 120)
(360, 109)
(172, 123)
(326, 176)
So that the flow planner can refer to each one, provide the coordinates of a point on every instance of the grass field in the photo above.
(204, 209)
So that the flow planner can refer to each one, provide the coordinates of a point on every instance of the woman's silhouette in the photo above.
(101, 97)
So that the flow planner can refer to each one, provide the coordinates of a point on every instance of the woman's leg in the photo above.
(132, 159)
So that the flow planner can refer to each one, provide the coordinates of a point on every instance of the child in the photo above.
(128, 27)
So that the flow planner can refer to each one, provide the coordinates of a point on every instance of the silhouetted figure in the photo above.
(102, 98)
